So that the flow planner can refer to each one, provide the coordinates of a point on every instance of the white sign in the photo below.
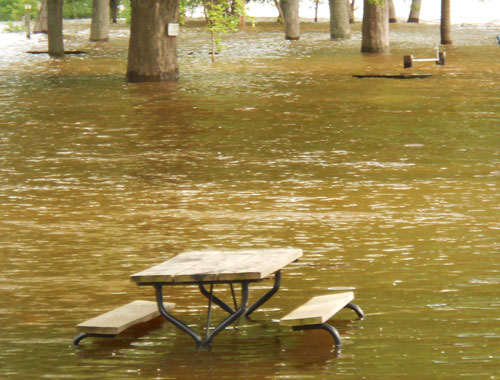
(172, 29)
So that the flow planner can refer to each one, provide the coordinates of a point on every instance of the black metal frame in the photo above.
(81, 336)
(234, 313)
(323, 326)
(332, 330)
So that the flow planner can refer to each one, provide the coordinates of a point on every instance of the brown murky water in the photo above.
(390, 187)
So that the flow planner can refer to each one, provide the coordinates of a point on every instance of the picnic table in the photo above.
(208, 268)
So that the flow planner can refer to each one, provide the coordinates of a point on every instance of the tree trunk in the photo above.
(351, 12)
(243, 20)
(446, 22)
(281, 17)
(415, 11)
(292, 22)
(99, 28)
(339, 19)
(114, 10)
(152, 55)
(41, 20)
(55, 28)
(375, 37)
(392, 12)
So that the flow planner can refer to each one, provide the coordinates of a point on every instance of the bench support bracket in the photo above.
(356, 309)
(81, 336)
(323, 326)
(332, 330)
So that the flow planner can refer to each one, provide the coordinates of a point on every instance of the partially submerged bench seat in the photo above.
(318, 310)
(116, 321)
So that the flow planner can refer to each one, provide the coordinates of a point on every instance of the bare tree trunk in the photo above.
(375, 29)
(351, 12)
(316, 6)
(339, 19)
(152, 55)
(41, 25)
(55, 28)
(99, 28)
(415, 11)
(281, 17)
(243, 20)
(292, 22)
(446, 22)
(114, 10)
(392, 12)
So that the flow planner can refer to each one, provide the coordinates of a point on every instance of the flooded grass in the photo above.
(390, 187)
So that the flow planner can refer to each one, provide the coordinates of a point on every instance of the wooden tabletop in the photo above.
(230, 265)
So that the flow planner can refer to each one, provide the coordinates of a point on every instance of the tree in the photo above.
(152, 54)
(99, 27)
(415, 11)
(291, 18)
(339, 19)
(392, 12)
(41, 20)
(375, 30)
(55, 28)
(316, 7)
(446, 22)
(281, 17)
(222, 16)
(114, 4)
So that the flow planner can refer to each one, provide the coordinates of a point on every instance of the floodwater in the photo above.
(390, 187)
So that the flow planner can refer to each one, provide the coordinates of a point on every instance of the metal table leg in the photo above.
(177, 323)
(215, 299)
(267, 296)
(209, 336)
(232, 317)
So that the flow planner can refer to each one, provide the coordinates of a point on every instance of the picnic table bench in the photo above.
(318, 310)
(112, 323)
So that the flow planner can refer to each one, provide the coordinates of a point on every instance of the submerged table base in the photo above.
(234, 313)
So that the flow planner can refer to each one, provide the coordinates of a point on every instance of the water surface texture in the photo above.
(390, 187)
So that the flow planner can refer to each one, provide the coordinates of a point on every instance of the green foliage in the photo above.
(12, 28)
(77, 9)
(126, 11)
(13, 10)
(223, 16)
(188, 5)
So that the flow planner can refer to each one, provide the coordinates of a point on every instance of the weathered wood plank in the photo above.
(261, 264)
(121, 318)
(317, 310)
(393, 76)
(216, 262)
(230, 265)
(165, 272)
(66, 52)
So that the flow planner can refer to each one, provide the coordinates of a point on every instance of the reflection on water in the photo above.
(390, 188)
